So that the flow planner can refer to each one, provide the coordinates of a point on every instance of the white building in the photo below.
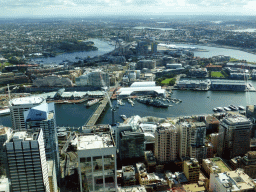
(4, 184)
(26, 164)
(5, 135)
(97, 163)
(18, 106)
(93, 78)
(231, 181)
(142, 88)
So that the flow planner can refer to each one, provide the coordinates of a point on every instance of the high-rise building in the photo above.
(234, 136)
(197, 141)
(191, 169)
(26, 164)
(131, 145)
(97, 163)
(231, 181)
(43, 117)
(18, 106)
(166, 143)
(184, 140)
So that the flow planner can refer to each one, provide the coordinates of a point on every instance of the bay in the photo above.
(103, 47)
(214, 51)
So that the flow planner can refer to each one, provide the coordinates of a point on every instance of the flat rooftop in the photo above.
(26, 101)
(236, 119)
(94, 142)
(239, 180)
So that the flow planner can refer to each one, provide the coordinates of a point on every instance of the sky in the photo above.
(76, 8)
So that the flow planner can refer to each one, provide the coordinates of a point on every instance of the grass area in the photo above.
(166, 81)
(233, 59)
(217, 74)
(222, 166)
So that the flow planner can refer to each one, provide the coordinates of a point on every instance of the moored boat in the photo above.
(92, 102)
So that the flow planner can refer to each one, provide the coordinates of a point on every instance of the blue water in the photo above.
(214, 51)
(103, 47)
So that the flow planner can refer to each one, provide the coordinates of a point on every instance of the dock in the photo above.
(95, 116)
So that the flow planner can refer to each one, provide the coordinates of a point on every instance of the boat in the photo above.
(233, 108)
(227, 109)
(220, 109)
(5, 111)
(214, 109)
(241, 107)
(92, 102)
(123, 117)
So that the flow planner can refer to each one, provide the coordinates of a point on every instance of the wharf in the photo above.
(95, 116)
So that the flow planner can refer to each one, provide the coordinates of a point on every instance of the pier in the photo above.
(95, 116)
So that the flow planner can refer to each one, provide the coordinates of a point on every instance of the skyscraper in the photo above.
(43, 117)
(166, 143)
(26, 162)
(18, 106)
(234, 136)
(184, 140)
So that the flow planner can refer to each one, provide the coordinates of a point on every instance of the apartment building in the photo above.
(166, 143)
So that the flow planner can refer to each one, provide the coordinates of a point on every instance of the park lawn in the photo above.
(216, 74)
(233, 59)
(166, 81)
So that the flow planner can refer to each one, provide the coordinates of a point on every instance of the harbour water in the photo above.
(193, 103)
(103, 47)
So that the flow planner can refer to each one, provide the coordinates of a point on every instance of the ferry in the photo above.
(92, 102)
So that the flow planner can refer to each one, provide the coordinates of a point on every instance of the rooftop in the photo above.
(236, 120)
(94, 142)
(238, 179)
(194, 187)
(26, 101)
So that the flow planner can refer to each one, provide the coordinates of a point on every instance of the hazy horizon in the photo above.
(97, 8)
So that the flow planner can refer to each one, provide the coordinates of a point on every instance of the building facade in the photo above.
(18, 106)
(234, 136)
(131, 145)
(97, 163)
(26, 162)
(43, 117)
(166, 143)
(191, 169)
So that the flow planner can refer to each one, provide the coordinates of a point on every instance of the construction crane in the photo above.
(105, 88)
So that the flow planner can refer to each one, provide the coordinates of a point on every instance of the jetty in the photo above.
(95, 116)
